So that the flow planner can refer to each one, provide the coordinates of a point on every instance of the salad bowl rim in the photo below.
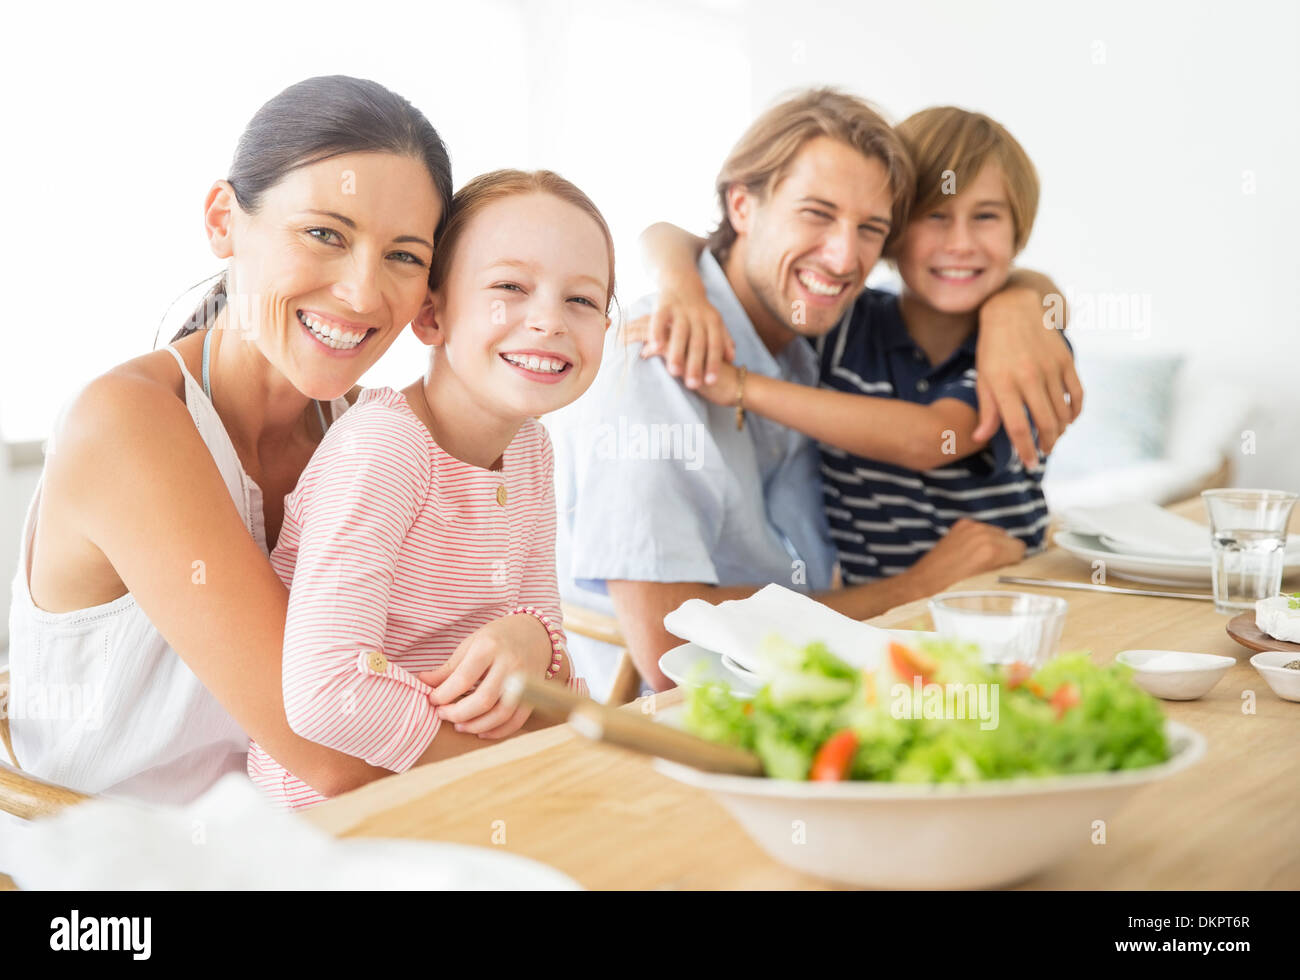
(1187, 747)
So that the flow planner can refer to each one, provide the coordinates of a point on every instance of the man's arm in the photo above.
(1021, 363)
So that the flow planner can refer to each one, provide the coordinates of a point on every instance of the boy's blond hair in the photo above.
(949, 146)
(767, 149)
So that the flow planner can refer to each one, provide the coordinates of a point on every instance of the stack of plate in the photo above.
(1146, 543)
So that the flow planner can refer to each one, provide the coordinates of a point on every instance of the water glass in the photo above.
(1248, 538)
(1008, 627)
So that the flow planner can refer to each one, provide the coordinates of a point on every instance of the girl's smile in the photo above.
(538, 365)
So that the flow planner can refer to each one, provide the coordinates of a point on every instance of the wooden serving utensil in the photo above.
(620, 727)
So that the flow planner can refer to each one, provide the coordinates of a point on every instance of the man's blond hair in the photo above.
(765, 152)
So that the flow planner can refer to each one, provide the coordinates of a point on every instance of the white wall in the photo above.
(1165, 135)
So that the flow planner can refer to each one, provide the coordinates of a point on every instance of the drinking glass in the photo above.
(1248, 538)
(1008, 627)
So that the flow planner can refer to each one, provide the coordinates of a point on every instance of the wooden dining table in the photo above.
(609, 820)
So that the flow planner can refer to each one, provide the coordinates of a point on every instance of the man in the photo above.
(664, 497)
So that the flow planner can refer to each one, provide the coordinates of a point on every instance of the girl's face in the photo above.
(521, 318)
(331, 267)
(959, 253)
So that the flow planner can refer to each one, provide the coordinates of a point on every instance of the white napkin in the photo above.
(232, 838)
(1149, 529)
(738, 627)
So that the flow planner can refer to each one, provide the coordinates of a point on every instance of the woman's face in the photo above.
(332, 266)
(958, 253)
(521, 318)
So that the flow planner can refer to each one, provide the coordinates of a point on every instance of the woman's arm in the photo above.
(916, 437)
(145, 492)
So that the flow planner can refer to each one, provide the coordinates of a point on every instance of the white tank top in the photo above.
(98, 701)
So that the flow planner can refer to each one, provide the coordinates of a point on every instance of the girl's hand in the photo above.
(476, 673)
(688, 333)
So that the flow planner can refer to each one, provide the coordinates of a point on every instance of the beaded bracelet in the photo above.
(557, 637)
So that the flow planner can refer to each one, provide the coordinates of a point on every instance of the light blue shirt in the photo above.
(655, 484)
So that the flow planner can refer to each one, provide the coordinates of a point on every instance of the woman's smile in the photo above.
(337, 336)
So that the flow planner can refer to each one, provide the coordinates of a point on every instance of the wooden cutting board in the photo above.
(1243, 629)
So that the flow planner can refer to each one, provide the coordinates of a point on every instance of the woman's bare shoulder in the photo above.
(144, 396)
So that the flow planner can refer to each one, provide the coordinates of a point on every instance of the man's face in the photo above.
(806, 249)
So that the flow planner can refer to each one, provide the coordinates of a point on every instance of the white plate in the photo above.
(1292, 550)
(744, 673)
(437, 866)
(1144, 568)
(678, 663)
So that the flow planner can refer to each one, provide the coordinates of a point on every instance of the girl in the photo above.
(420, 542)
(896, 414)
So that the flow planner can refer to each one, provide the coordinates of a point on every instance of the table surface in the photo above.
(610, 821)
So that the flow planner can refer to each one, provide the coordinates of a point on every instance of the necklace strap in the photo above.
(207, 383)
(207, 349)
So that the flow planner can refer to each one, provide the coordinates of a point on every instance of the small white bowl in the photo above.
(1187, 680)
(1285, 683)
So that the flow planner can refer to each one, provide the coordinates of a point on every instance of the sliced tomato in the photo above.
(909, 663)
(1017, 673)
(833, 759)
(1064, 698)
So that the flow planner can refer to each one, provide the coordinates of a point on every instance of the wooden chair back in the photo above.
(604, 628)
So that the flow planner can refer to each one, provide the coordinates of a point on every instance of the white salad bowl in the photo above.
(1285, 683)
(906, 835)
(1174, 675)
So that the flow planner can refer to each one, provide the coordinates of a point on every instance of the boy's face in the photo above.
(521, 318)
(958, 253)
(806, 249)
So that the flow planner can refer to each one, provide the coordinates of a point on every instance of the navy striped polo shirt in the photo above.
(884, 517)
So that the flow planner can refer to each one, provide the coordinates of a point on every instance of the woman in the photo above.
(143, 572)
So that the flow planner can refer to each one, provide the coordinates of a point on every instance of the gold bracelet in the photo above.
(740, 398)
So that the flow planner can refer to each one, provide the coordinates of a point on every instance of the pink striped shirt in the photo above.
(391, 544)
